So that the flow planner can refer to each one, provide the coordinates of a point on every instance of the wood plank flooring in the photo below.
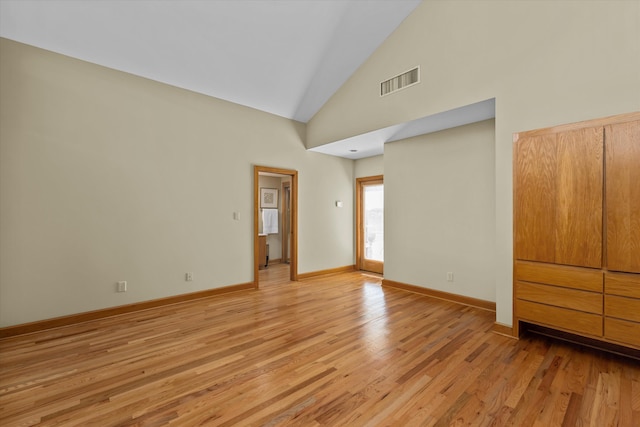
(330, 351)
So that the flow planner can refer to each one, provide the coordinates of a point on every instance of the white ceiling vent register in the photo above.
(400, 81)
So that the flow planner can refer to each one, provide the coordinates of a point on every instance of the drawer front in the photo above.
(622, 307)
(626, 285)
(570, 320)
(560, 275)
(622, 331)
(560, 297)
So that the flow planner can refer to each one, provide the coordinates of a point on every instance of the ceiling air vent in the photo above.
(400, 81)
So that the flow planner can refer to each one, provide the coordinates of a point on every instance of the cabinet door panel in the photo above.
(579, 197)
(558, 198)
(623, 196)
(535, 198)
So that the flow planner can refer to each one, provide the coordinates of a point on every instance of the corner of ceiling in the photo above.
(371, 144)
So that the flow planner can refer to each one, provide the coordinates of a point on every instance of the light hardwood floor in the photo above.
(330, 351)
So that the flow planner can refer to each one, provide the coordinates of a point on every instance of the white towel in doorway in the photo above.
(270, 221)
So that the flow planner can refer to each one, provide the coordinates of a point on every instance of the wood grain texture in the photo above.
(460, 299)
(578, 224)
(503, 329)
(333, 351)
(311, 274)
(567, 127)
(559, 275)
(623, 196)
(622, 307)
(622, 331)
(73, 319)
(535, 186)
(626, 285)
(558, 197)
(590, 302)
(589, 185)
(562, 318)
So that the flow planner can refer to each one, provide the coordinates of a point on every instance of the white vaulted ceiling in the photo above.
(285, 57)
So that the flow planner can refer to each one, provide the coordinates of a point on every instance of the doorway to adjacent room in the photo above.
(275, 220)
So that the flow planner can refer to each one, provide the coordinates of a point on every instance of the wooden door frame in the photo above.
(286, 222)
(359, 222)
(293, 174)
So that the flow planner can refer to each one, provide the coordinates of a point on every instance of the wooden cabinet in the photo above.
(559, 177)
(623, 196)
(560, 296)
(577, 228)
(622, 308)
(262, 251)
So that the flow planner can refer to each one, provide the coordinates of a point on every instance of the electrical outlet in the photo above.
(450, 276)
(188, 277)
(121, 286)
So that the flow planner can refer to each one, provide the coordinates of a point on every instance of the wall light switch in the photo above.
(236, 216)
(338, 204)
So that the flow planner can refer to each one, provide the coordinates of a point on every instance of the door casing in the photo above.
(361, 263)
(286, 221)
(293, 174)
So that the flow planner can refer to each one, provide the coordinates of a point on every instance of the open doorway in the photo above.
(275, 220)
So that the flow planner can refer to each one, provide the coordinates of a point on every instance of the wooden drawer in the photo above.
(622, 331)
(560, 275)
(622, 307)
(570, 320)
(626, 285)
(560, 297)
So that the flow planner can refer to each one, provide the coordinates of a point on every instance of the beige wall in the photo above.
(105, 177)
(370, 166)
(440, 210)
(545, 62)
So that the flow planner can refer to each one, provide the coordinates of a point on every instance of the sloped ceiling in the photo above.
(285, 57)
